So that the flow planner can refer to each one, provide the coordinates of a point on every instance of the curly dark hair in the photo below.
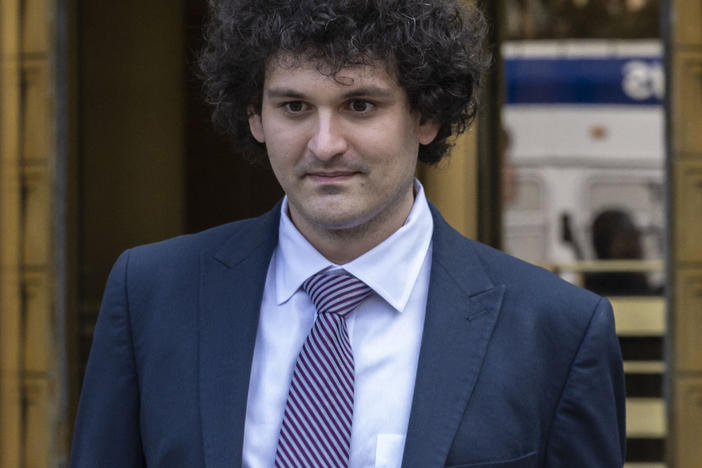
(434, 46)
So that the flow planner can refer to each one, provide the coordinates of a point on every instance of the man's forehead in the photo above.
(342, 73)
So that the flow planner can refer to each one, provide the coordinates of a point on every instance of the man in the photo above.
(349, 326)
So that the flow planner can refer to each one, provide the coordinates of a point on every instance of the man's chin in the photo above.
(334, 213)
(339, 223)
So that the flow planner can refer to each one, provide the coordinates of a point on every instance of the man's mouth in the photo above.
(331, 176)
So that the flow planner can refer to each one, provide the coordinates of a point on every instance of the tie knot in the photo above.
(336, 292)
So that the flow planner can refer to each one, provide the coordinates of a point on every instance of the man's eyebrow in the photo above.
(369, 91)
(284, 93)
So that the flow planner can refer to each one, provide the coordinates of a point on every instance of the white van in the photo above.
(586, 127)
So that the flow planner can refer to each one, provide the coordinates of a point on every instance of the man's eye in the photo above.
(295, 106)
(361, 106)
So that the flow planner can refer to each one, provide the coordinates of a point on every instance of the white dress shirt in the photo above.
(385, 332)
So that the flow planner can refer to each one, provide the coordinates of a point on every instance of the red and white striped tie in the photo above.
(316, 429)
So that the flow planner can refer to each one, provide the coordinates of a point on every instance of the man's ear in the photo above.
(427, 130)
(256, 126)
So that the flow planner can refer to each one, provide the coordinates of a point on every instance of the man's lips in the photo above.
(331, 176)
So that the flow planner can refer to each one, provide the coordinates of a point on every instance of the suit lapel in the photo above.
(232, 282)
(462, 308)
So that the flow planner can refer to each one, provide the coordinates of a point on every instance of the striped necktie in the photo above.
(316, 429)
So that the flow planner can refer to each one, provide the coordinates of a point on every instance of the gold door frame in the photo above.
(684, 173)
(31, 382)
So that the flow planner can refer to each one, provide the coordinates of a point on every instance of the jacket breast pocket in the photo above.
(525, 461)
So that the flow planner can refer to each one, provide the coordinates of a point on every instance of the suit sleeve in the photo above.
(589, 426)
(107, 425)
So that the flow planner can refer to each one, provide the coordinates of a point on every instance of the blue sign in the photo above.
(621, 80)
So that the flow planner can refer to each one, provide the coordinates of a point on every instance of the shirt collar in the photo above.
(391, 268)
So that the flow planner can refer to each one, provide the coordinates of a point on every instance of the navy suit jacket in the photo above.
(517, 368)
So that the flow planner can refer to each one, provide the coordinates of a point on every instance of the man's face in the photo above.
(343, 148)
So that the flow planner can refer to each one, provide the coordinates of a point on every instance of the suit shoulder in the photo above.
(185, 249)
(535, 287)
(543, 306)
(504, 265)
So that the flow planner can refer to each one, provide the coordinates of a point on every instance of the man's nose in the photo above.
(328, 139)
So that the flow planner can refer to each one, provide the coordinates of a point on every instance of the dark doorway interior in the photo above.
(146, 162)
(220, 186)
